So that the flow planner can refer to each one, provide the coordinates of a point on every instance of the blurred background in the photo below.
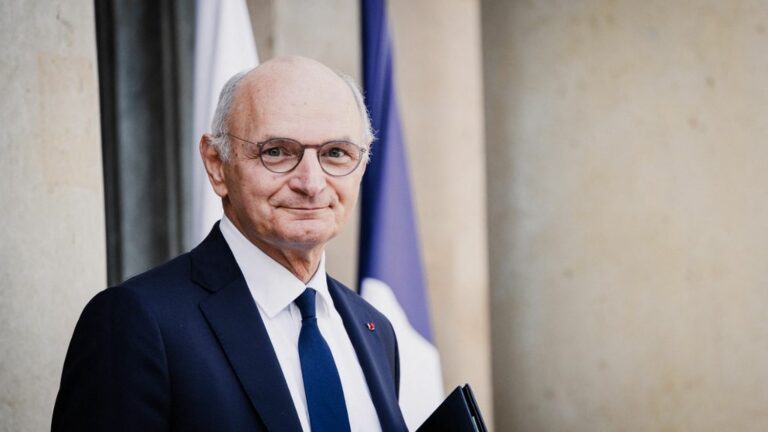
(588, 177)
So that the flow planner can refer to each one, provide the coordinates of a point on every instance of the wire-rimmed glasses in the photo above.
(281, 155)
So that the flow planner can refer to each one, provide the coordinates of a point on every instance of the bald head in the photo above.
(285, 92)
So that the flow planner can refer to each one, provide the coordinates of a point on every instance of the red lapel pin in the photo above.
(371, 326)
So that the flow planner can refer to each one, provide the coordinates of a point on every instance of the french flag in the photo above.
(390, 272)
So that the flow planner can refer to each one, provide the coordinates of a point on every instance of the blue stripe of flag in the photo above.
(389, 248)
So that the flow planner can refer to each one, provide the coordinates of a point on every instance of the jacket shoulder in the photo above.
(173, 272)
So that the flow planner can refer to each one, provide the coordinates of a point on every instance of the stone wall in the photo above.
(52, 245)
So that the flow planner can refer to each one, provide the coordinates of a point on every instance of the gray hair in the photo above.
(220, 128)
(368, 134)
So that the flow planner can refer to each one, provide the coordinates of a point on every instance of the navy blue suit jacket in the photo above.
(183, 348)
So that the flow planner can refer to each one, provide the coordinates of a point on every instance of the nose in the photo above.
(308, 177)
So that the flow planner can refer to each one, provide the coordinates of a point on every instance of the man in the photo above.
(246, 332)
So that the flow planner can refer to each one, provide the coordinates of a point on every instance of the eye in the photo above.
(339, 151)
(280, 149)
(336, 152)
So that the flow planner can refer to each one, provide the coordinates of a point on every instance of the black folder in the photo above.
(458, 413)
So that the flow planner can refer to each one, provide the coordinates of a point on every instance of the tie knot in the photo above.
(306, 303)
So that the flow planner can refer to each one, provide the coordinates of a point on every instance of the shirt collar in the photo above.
(273, 286)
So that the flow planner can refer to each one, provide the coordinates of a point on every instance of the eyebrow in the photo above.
(342, 138)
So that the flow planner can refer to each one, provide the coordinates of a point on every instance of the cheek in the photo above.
(347, 193)
(254, 192)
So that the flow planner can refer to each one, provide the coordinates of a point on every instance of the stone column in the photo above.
(52, 243)
(627, 214)
(438, 72)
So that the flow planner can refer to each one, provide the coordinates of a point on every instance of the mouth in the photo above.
(304, 208)
(305, 211)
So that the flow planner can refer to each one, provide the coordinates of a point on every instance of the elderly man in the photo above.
(246, 332)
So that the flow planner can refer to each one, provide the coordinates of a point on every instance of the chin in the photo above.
(307, 235)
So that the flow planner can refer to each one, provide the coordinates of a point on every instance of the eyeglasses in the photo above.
(282, 155)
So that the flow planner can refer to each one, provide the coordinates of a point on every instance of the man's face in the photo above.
(304, 208)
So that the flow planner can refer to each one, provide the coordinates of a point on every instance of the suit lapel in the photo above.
(372, 357)
(235, 320)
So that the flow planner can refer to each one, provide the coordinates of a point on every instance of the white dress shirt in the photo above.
(274, 289)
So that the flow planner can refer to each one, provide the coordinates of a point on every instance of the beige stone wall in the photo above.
(52, 246)
(627, 208)
(439, 81)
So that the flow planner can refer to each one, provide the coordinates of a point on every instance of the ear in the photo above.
(214, 166)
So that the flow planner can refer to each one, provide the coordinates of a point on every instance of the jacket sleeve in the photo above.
(115, 374)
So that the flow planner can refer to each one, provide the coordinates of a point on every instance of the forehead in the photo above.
(307, 104)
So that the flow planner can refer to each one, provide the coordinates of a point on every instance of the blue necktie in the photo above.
(322, 386)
